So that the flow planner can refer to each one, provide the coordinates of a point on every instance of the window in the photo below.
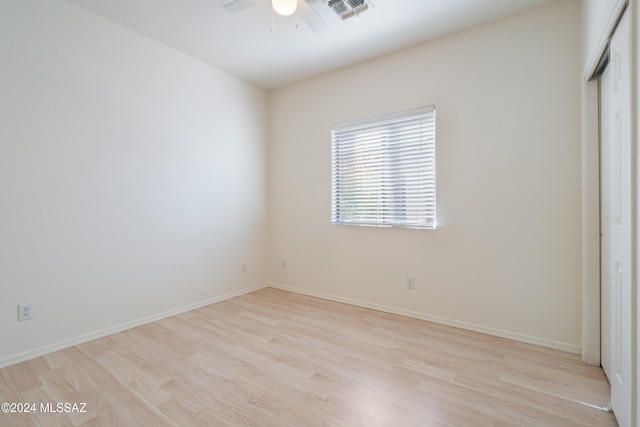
(383, 171)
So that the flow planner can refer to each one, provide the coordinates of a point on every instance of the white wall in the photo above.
(132, 178)
(506, 258)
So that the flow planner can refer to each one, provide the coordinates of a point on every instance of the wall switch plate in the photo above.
(411, 283)
(25, 311)
(283, 264)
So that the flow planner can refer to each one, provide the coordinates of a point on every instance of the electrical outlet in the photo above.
(411, 283)
(25, 311)
(283, 264)
(244, 267)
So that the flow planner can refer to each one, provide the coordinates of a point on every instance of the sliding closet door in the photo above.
(606, 164)
(616, 222)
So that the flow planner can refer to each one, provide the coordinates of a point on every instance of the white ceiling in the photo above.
(243, 44)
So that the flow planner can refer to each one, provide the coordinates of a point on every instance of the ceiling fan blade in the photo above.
(311, 17)
(238, 5)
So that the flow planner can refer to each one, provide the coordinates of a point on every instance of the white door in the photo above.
(605, 221)
(616, 222)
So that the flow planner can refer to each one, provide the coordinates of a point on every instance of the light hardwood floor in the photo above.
(274, 358)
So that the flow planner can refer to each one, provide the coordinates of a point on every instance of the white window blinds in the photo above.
(383, 171)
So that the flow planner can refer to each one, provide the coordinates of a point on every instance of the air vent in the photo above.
(348, 8)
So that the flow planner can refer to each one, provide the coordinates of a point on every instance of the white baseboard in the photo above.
(32, 354)
(542, 342)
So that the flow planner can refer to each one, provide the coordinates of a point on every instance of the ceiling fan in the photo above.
(286, 7)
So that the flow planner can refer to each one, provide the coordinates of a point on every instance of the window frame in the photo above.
(395, 153)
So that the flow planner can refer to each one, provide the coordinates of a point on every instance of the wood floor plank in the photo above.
(275, 358)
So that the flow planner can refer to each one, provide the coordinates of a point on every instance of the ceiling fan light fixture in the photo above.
(284, 7)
